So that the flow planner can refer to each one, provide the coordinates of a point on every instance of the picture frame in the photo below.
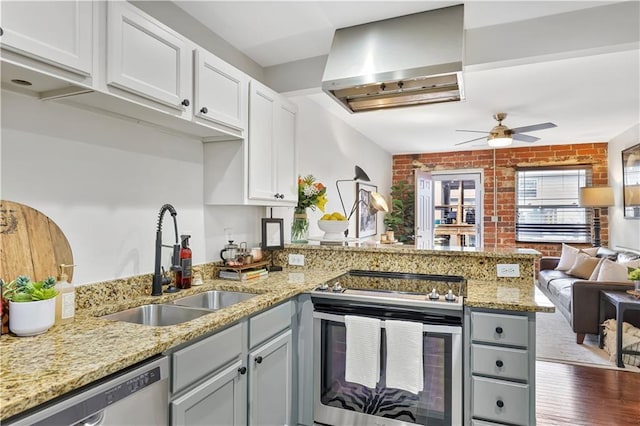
(631, 182)
(366, 222)
(272, 234)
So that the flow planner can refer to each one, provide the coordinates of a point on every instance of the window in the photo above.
(547, 205)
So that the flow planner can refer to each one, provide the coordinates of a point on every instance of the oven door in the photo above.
(337, 402)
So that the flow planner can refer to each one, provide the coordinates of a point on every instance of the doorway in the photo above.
(455, 210)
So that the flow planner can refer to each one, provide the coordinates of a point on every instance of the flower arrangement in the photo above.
(311, 194)
(23, 290)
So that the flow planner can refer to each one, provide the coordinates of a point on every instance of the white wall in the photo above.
(103, 181)
(622, 232)
(329, 150)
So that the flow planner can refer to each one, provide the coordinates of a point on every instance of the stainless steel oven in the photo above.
(339, 402)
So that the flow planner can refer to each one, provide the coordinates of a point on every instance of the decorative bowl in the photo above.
(333, 229)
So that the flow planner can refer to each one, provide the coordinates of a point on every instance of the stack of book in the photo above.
(244, 276)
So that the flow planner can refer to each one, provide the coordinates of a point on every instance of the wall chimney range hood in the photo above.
(409, 60)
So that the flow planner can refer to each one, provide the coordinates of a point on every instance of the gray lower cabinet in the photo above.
(500, 368)
(242, 375)
(220, 400)
(270, 381)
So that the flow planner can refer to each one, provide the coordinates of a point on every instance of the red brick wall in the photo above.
(507, 160)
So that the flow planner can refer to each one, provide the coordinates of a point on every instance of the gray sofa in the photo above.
(578, 299)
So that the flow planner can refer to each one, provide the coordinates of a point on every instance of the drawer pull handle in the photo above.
(499, 363)
(242, 370)
(259, 359)
(185, 102)
(204, 110)
(499, 330)
(499, 403)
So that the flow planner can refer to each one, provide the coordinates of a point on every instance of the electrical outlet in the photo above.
(508, 270)
(296, 259)
(494, 218)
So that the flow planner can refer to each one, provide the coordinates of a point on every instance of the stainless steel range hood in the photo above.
(410, 60)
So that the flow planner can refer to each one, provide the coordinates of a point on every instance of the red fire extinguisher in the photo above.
(183, 276)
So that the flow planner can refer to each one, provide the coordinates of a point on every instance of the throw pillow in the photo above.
(612, 271)
(583, 266)
(596, 270)
(591, 251)
(567, 257)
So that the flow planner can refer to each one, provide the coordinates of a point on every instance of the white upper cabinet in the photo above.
(272, 158)
(59, 33)
(220, 91)
(147, 58)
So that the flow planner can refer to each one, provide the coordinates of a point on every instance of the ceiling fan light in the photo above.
(499, 141)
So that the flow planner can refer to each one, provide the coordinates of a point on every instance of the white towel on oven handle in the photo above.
(404, 355)
(363, 350)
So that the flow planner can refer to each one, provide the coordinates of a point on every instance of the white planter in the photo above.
(31, 318)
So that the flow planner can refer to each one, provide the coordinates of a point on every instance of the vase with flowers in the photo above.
(312, 195)
(31, 305)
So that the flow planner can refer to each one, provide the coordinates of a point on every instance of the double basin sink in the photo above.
(180, 310)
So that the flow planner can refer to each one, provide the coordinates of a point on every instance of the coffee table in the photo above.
(622, 302)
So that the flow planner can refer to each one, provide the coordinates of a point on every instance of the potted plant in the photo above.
(32, 305)
(401, 218)
(634, 275)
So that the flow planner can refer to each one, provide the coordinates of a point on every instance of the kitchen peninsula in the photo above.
(38, 369)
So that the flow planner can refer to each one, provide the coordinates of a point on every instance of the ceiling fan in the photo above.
(501, 135)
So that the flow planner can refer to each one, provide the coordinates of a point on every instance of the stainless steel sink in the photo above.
(214, 299)
(157, 315)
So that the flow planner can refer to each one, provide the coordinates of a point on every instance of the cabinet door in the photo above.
(285, 142)
(57, 32)
(271, 380)
(262, 107)
(147, 58)
(220, 400)
(220, 91)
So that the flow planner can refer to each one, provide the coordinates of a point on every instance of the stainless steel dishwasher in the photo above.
(135, 396)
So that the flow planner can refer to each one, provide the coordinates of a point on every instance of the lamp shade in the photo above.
(378, 202)
(596, 196)
(500, 141)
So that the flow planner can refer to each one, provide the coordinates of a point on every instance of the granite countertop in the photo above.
(37, 369)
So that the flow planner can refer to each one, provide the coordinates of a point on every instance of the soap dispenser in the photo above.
(66, 298)
(183, 275)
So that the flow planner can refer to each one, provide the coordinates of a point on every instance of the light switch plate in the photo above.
(508, 270)
(296, 259)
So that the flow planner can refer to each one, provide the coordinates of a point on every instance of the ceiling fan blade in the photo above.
(534, 127)
(524, 138)
(470, 140)
(473, 131)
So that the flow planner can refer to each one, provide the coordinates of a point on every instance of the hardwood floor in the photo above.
(577, 395)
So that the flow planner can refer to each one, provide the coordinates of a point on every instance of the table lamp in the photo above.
(596, 197)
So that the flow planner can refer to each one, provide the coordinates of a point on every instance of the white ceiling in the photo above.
(591, 97)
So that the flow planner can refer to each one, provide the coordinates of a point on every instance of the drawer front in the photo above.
(200, 359)
(500, 362)
(500, 401)
(500, 328)
(267, 324)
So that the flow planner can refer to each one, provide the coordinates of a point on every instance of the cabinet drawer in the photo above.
(500, 362)
(500, 328)
(200, 359)
(500, 401)
(269, 323)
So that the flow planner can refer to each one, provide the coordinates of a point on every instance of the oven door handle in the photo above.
(432, 328)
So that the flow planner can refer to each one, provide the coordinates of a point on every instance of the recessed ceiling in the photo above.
(592, 97)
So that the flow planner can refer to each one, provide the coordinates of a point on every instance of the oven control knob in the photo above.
(434, 295)
(449, 297)
(323, 287)
(337, 288)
